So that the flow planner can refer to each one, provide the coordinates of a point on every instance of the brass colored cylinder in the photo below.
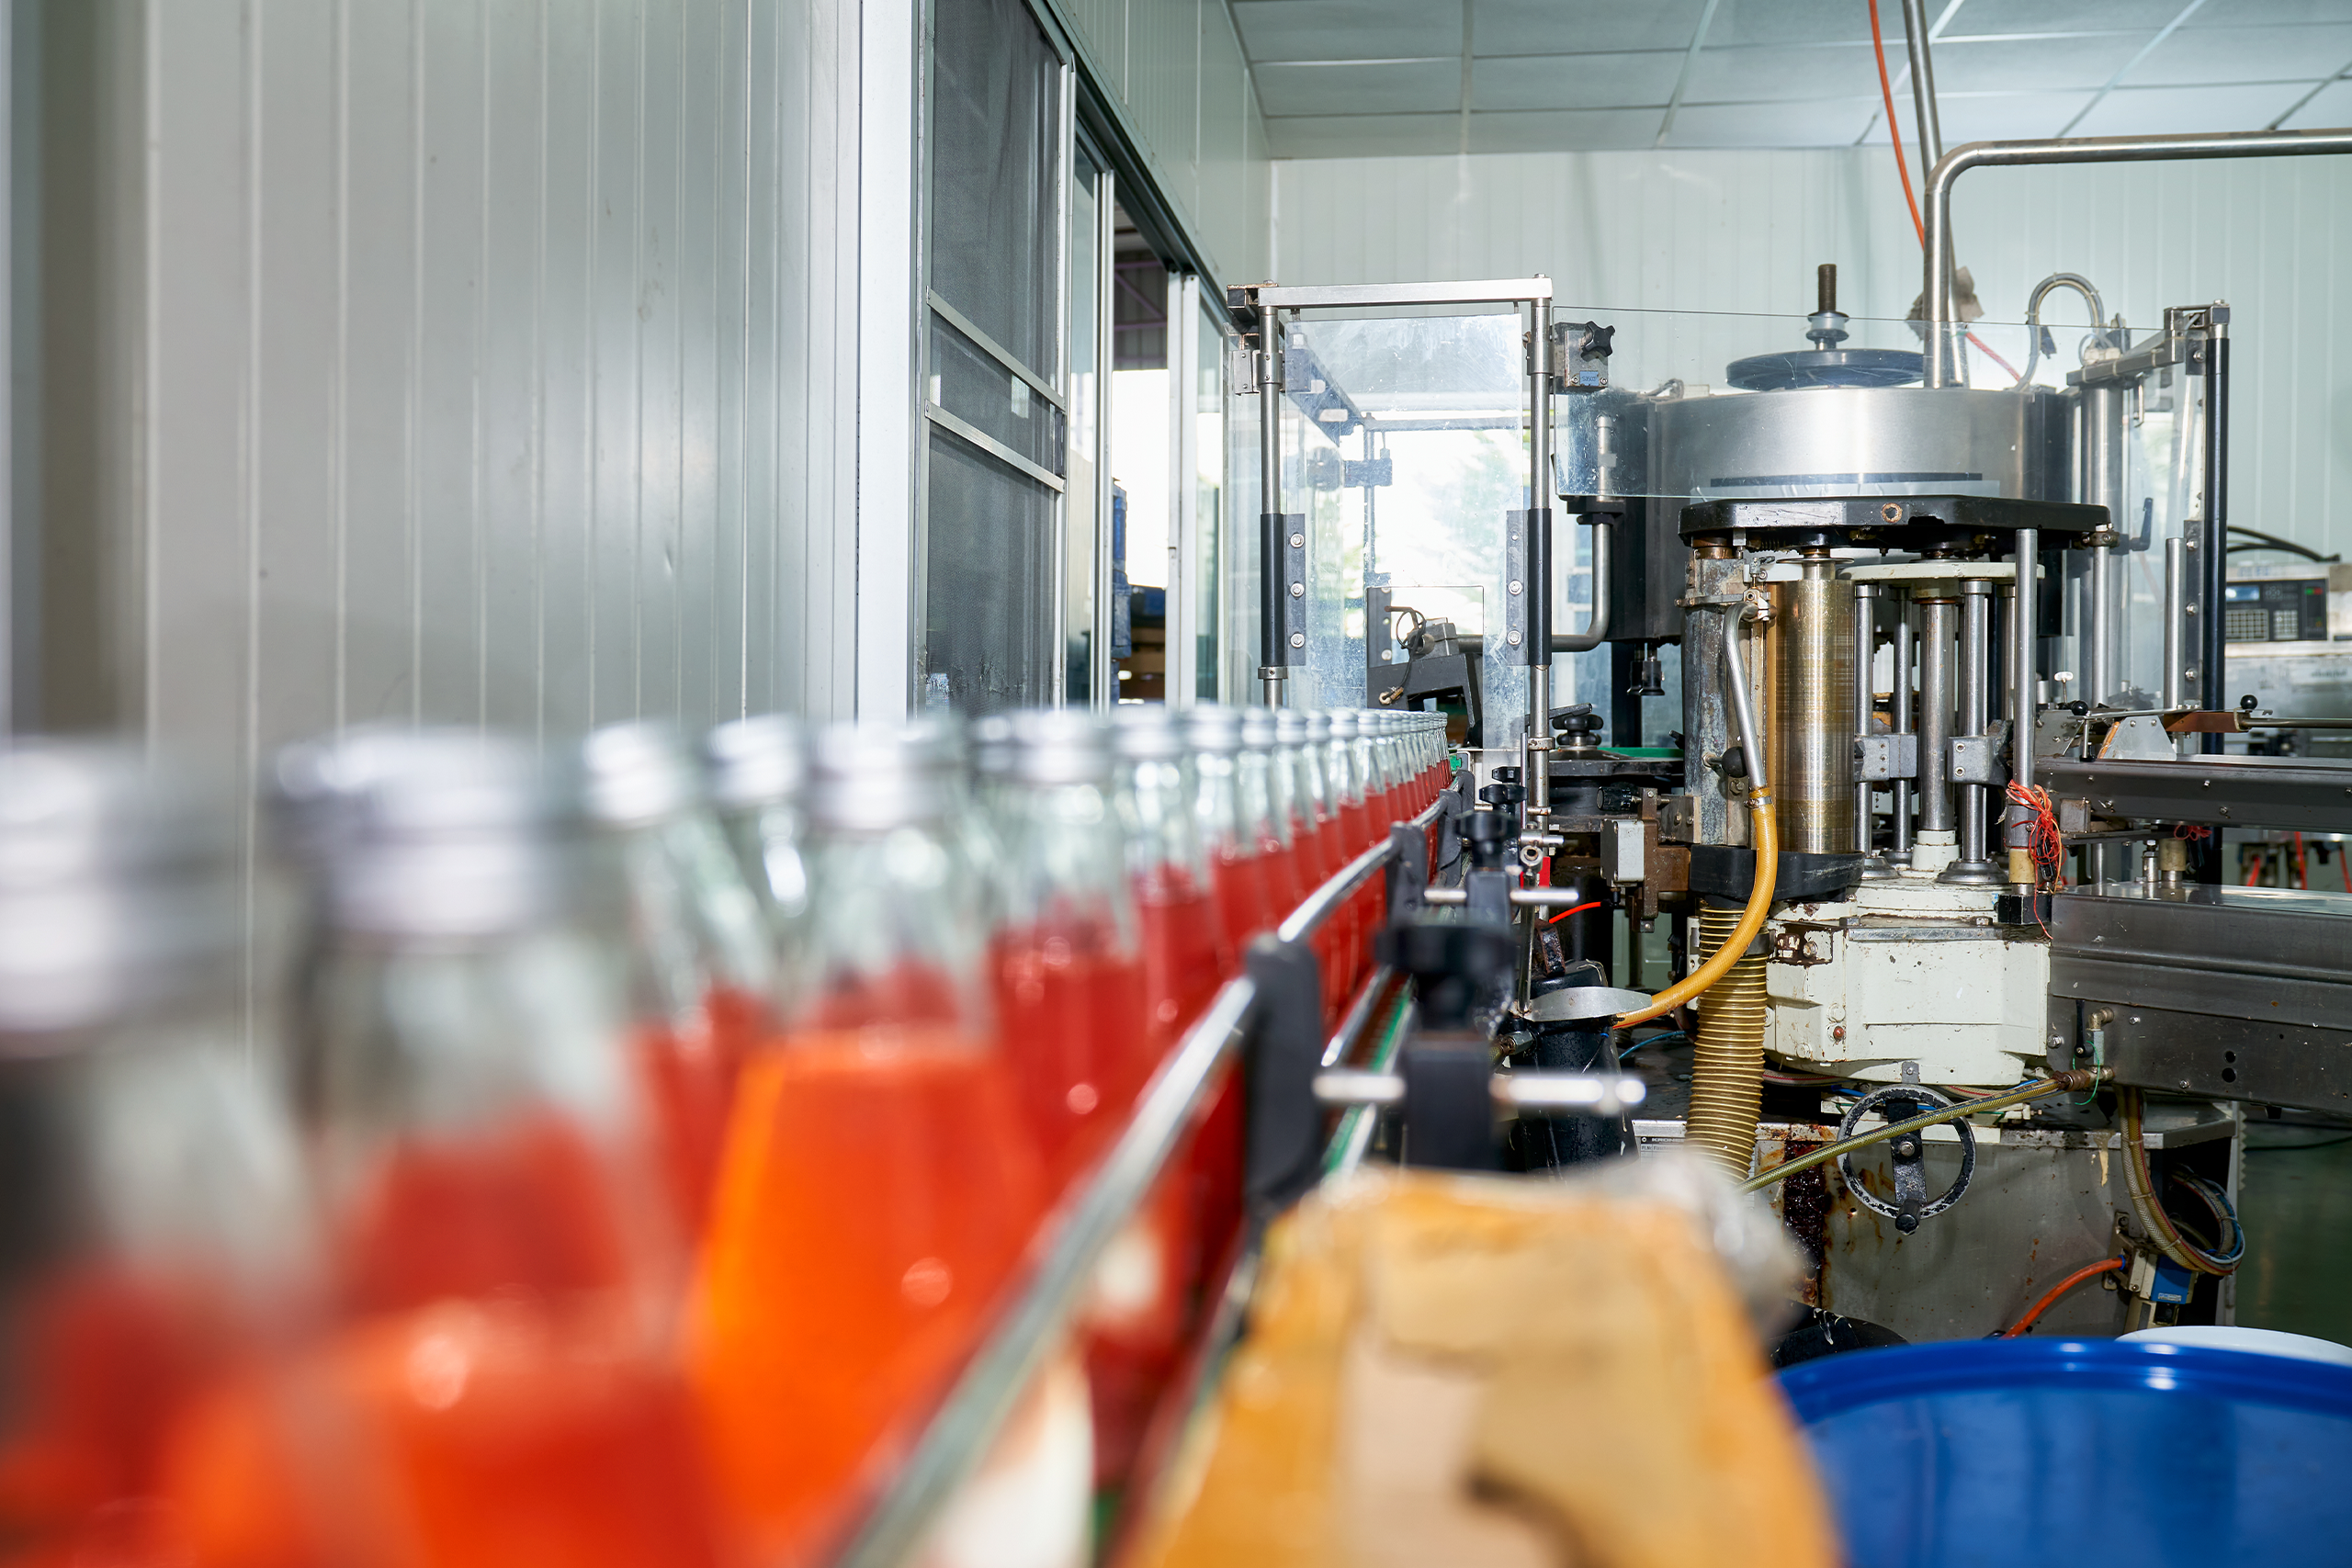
(1809, 683)
(1727, 1055)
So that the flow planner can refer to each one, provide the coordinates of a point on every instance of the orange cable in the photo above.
(1886, 91)
(2049, 1297)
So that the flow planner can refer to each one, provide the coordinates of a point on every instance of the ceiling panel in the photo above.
(1835, 122)
(1408, 87)
(1363, 135)
(1563, 130)
(1750, 75)
(1995, 117)
(1347, 29)
(1804, 21)
(1581, 27)
(1574, 81)
(2243, 54)
(2157, 111)
(2254, 13)
(2027, 65)
(2328, 111)
(1976, 16)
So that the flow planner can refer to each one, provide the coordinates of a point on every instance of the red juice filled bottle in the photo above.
(1344, 779)
(504, 1267)
(158, 1250)
(1298, 780)
(700, 956)
(1135, 1320)
(1070, 970)
(1187, 953)
(1236, 874)
(879, 1183)
(1268, 813)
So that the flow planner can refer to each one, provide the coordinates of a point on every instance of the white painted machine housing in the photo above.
(1907, 969)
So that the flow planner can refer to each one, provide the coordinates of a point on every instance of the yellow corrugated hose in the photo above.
(1727, 1058)
(1727, 1066)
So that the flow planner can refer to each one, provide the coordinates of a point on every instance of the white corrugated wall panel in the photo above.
(1743, 230)
(493, 364)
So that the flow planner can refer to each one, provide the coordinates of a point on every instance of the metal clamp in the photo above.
(1881, 758)
(1911, 1204)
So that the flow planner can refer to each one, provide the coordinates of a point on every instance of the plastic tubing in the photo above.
(2137, 1180)
(2077, 1079)
(2049, 1297)
(1766, 837)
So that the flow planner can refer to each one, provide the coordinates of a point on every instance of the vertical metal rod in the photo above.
(1937, 620)
(1271, 554)
(2022, 634)
(1923, 84)
(1975, 711)
(2212, 591)
(2102, 485)
(1904, 656)
(2176, 586)
(1865, 704)
(1539, 560)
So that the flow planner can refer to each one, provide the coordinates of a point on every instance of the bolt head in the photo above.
(1299, 639)
(1299, 541)
(1514, 640)
(1298, 591)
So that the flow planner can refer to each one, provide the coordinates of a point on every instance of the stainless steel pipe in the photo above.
(1939, 621)
(2022, 697)
(2176, 595)
(1937, 258)
(1808, 686)
(1865, 698)
(1904, 655)
(1975, 711)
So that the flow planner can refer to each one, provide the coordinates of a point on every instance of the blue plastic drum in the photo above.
(2014, 1453)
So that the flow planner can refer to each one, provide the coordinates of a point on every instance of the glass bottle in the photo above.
(156, 1242)
(758, 773)
(879, 1183)
(1266, 812)
(1069, 984)
(1187, 953)
(1236, 874)
(503, 1268)
(700, 958)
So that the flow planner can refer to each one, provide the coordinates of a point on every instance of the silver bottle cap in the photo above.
(1147, 732)
(638, 774)
(437, 833)
(870, 778)
(761, 760)
(1059, 746)
(1214, 728)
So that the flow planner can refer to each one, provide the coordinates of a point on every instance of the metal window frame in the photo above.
(927, 301)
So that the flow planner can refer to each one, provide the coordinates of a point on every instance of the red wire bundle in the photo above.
(2044, 842)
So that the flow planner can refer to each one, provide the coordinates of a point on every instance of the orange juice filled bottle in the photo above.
(157, 1250)
(1069, 955)
(504, 1280)
(1236, 872)
(700, 957)
(879, 1184)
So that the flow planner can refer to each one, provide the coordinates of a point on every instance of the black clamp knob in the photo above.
(1453, 966)
(1487, 833)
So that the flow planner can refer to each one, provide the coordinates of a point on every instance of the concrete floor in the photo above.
(2296, 1199)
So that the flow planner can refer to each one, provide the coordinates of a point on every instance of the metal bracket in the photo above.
(1449, 1104)
(1516, 587)
(1880, 757)
(1580, 358)
(1408, 853)
(1284, 1052)
(1975, 759)
(1294, 586)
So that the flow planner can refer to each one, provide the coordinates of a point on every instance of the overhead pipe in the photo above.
(1936, 260)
